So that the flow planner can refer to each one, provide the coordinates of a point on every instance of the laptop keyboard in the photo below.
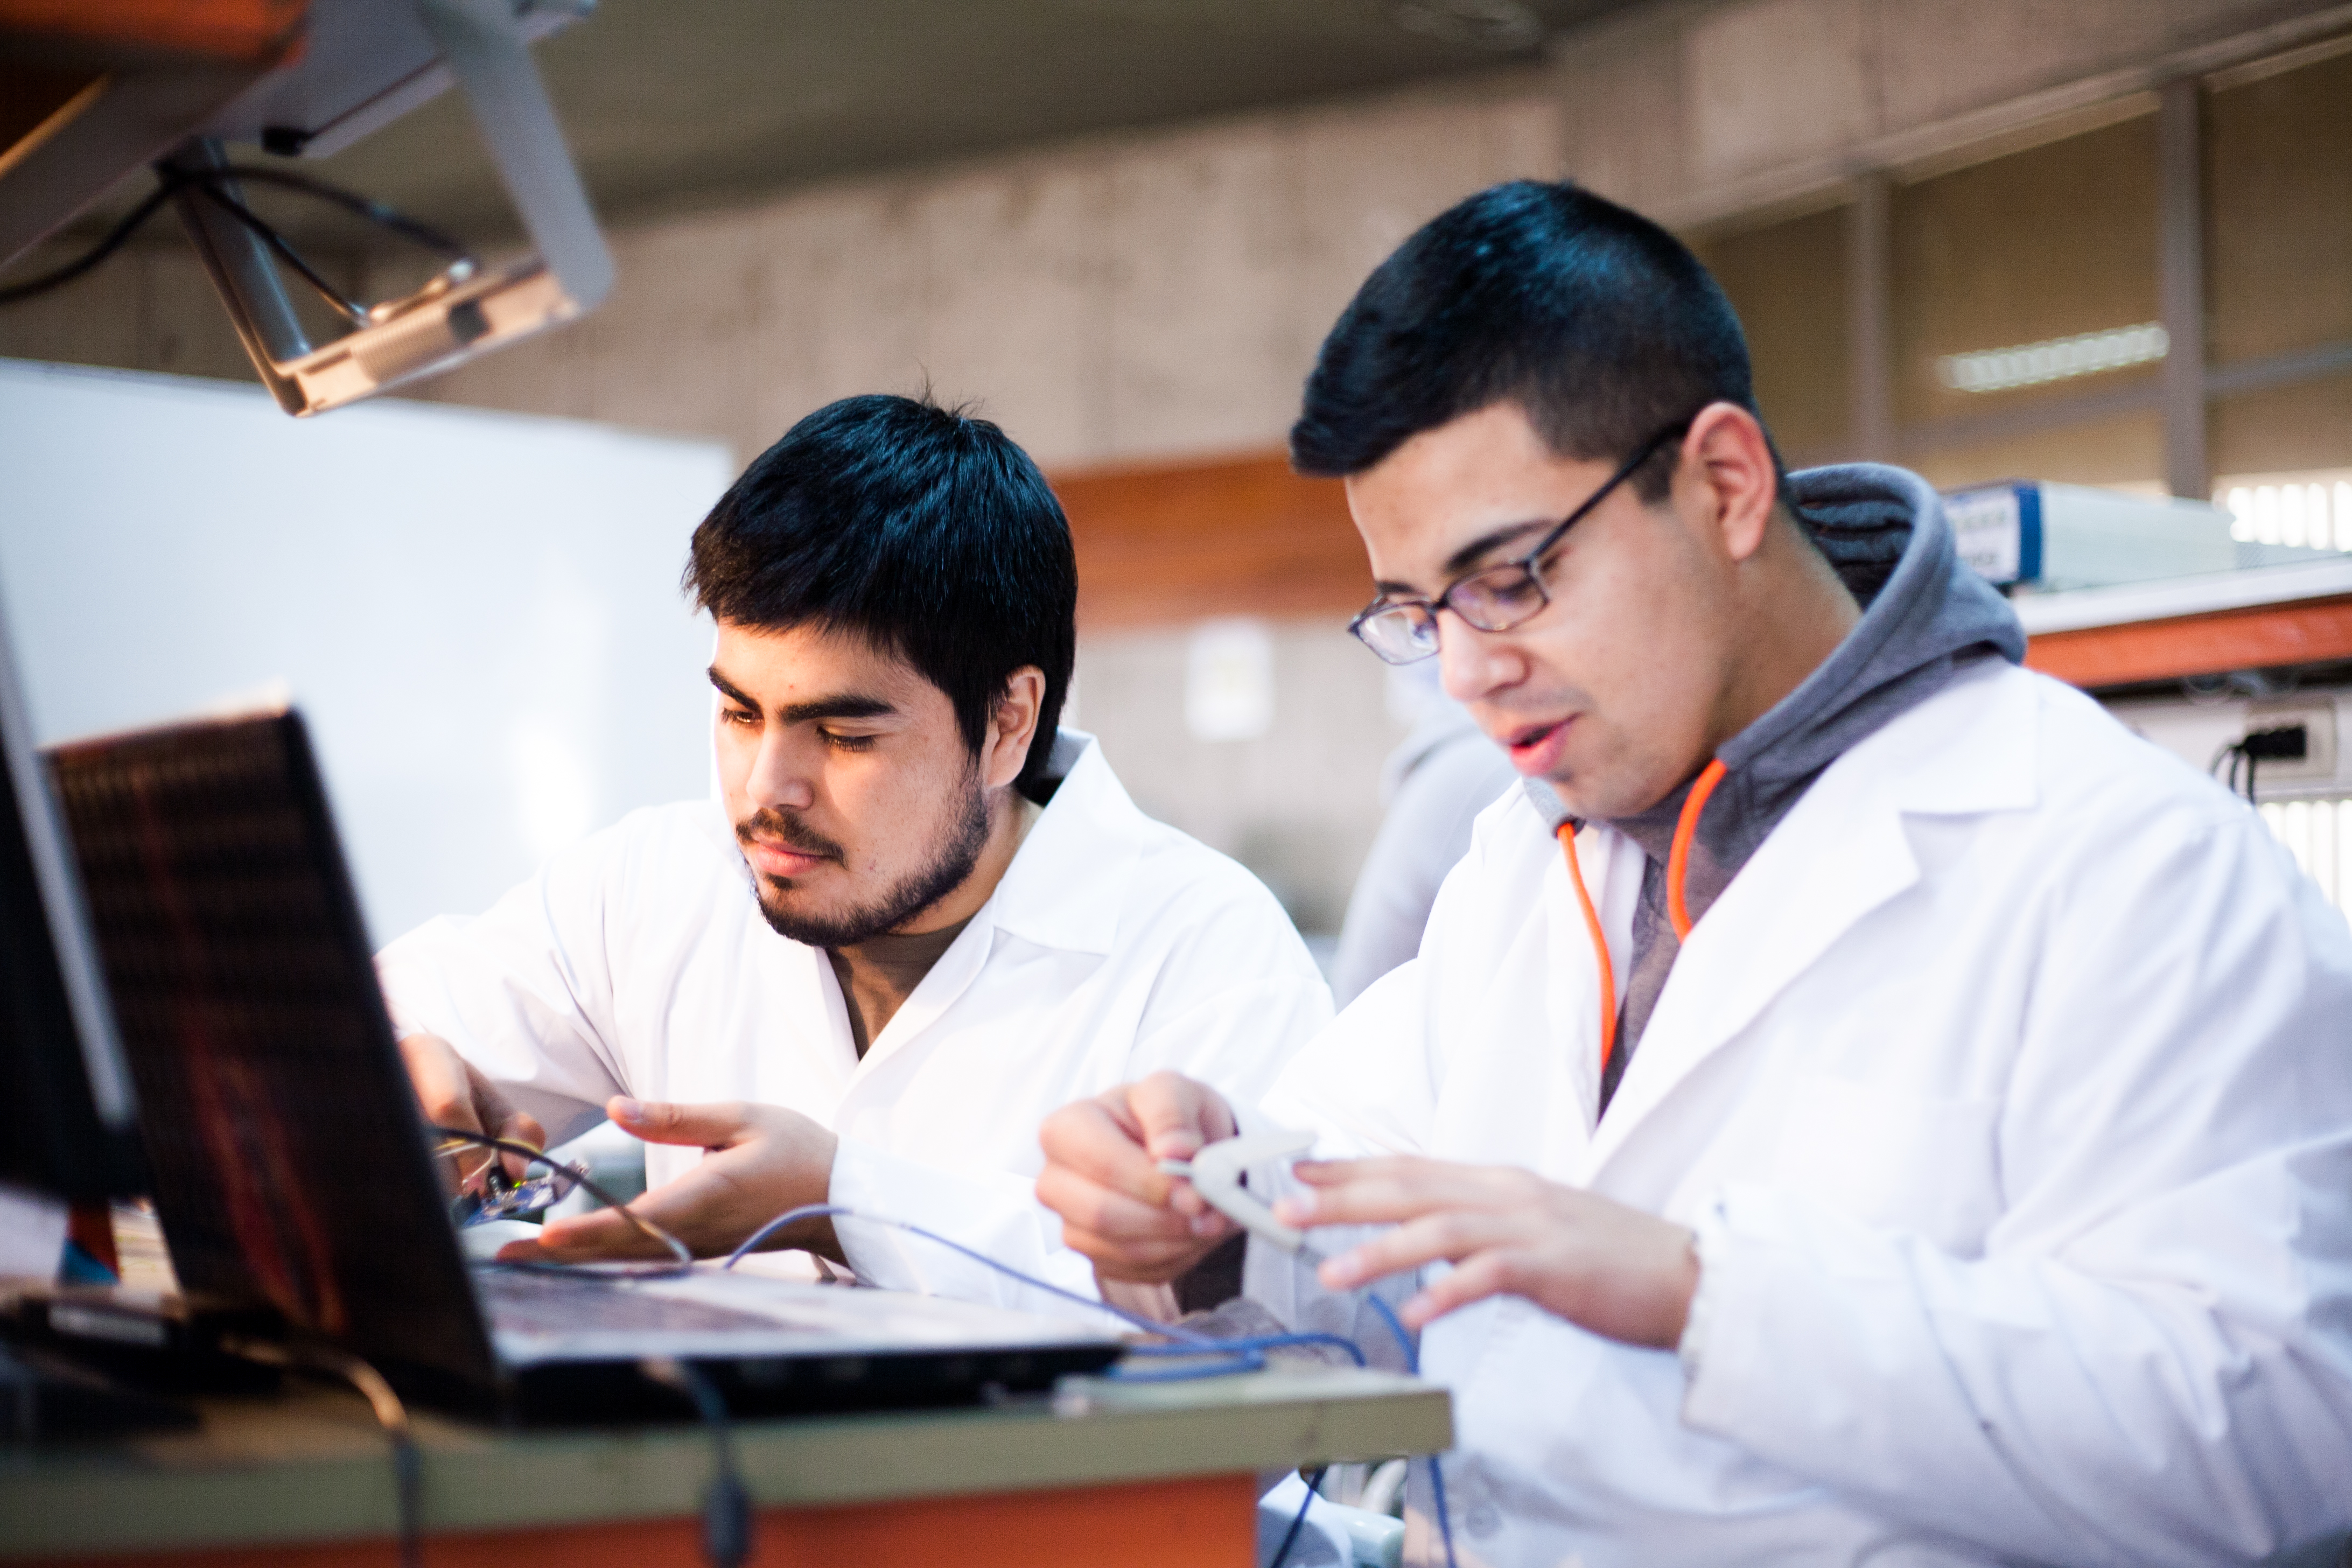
(536, 1303)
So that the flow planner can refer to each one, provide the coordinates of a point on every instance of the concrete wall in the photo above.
(1128, 296)
(1118, 297)
(1160, 294)
(1699, 113)
(1122, 297)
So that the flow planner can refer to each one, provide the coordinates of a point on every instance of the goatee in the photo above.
(951, 862)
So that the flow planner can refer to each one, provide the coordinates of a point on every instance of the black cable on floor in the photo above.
(407, 1465)
(726, 1506)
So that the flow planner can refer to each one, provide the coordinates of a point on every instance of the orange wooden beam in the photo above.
(248, 32)
(1209, 1522)
(1175, 542)
(1168, 543)
(2314, 632)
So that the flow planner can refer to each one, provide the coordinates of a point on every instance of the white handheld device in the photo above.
(1216, 1174)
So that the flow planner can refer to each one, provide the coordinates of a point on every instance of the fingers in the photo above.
(1486, 1274)
(584, 1239)
(522, 1127)
(1446, 1238)
(1102, 1176)
(517, 1127)
(1178, 1116)
(1130, 1264)
(1379, 1191)
(781, 1160)
(660, 1122)
(1100, 1141)
(444, 1084)
(1117, 1218)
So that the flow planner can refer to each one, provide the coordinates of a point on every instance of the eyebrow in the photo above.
(847, 705)
(1464, 559)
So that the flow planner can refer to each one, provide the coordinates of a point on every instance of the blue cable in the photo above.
(1247, 1354)
(1412, 1349)
(1299, 1520)
(1244, 1354)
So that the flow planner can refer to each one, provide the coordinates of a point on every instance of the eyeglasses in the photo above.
(1493, 598)
(481, 1190)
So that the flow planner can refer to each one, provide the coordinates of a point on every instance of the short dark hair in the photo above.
(929, 534)
(1603, 326)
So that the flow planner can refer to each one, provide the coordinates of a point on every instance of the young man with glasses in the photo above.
(1859, 1102)
(921, 916)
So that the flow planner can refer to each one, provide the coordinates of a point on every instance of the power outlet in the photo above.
(2317, 717)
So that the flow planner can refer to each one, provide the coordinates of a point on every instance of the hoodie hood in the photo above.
(1924, 616)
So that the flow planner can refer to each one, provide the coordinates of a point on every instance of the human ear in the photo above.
(1728, 454)
(1012, 724)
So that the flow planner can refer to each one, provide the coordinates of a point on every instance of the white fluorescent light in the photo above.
(2055, 359)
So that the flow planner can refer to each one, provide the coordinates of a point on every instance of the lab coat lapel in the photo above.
(1063, 890)
(1840, 853)
(949, 979)
(1807, 886)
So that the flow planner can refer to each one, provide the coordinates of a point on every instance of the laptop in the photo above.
(294, 1176)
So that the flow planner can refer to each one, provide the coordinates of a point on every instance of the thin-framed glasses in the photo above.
(481, 1190)
(1493, 598)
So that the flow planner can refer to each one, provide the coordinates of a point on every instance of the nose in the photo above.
(778, 777)
(1472, 664)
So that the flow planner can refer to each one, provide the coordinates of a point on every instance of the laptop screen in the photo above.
(290, 1166)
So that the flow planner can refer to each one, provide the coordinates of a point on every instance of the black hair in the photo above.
(929, 534)
(1603, 326)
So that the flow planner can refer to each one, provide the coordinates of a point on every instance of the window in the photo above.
(2312, 508)
(2319, 833)
(2021, 296)
(2046, 257)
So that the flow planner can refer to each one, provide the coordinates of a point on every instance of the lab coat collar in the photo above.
(1065, 885)
(1841, 852)
(1063, 891)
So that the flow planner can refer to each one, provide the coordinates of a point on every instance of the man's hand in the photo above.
(1623, 1274)
(1102, 1176)
(764, 1160)
(453, 1094)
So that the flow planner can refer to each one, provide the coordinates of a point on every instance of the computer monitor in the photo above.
(69, 1121)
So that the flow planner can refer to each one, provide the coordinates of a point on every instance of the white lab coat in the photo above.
(637, 963)
(2009, 1088)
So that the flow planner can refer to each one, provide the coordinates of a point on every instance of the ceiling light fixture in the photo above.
(2055, 359)
(1504, 26)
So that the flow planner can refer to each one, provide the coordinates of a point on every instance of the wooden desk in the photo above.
(1107, 1475)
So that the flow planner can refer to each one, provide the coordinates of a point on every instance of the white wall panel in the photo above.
(477, 612)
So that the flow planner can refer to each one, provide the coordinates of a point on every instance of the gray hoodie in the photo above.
(1924, 617)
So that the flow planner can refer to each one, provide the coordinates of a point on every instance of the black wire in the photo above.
(407, 1463)
(367, 207)
(1298, 1521)
(679, 1249)
(726, 1506)
(350, 308)
(2230, 753)
(114, 241)
(169, 182)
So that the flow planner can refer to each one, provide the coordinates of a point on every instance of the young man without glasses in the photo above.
(923, 917)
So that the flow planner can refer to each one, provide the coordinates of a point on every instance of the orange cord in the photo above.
(1599, 946)
(1677, 910)
(1678, 857)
